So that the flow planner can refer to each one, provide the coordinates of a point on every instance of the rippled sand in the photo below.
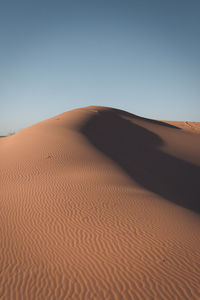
(97, 203)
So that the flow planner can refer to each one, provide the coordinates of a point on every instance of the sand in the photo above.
(97, 203)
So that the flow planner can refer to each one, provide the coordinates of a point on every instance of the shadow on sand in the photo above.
(136, 150)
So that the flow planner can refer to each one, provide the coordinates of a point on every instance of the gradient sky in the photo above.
(142, 56)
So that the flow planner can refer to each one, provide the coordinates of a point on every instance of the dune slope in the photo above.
(97, 203)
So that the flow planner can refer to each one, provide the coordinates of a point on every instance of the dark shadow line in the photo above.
(136, 150)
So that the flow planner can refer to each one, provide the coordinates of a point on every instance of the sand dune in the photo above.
(97, 203)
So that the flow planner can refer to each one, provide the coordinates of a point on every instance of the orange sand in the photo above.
(97, 203)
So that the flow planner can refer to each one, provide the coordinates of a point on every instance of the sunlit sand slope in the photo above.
(97, 203)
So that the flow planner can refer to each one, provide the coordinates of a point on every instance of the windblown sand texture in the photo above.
(97, 203)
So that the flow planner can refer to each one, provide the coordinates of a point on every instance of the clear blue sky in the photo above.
(142, 56)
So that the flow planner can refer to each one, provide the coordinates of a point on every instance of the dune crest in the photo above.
(98, 203)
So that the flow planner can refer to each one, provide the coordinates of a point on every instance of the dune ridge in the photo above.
(97, 203)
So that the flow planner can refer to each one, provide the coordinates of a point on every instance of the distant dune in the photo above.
(97, 203)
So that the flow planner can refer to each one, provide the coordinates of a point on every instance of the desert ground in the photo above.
(98, 203)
